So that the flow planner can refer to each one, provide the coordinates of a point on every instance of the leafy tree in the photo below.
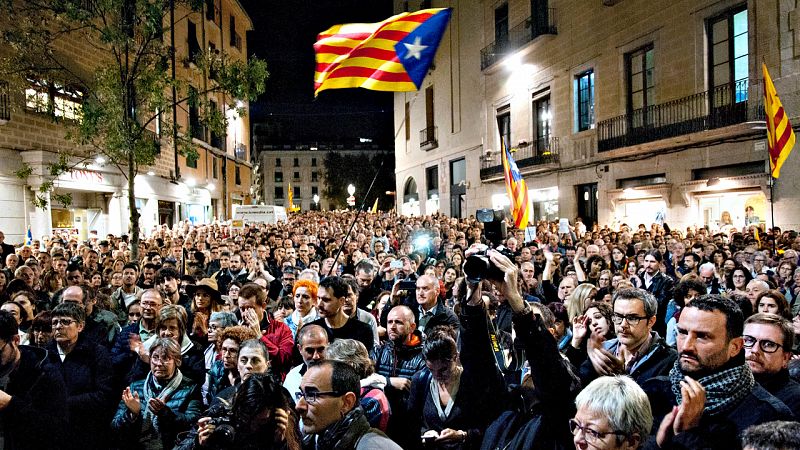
(340, 170)
(129, 87)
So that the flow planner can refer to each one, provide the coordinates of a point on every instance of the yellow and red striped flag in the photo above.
(375, 207)
(780, 135)
(393, 55)
(517, 190)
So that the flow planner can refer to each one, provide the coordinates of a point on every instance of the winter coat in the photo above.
(36, 416)
(657, 362)
(87, 377)
(185, 407)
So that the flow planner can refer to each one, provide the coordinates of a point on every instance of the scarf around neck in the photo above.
(345, 433)
(150, 389)
(725, 389)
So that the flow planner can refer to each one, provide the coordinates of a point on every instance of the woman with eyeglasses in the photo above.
(613, 413)
(84, 365)
(171, 324)
(224, 372)
(219, 321)
(154, 410)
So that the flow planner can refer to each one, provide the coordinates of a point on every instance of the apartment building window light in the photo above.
(584, 100)
(729, 56)
(54, 99)
(542, 124)
(504, 126)
(641, 84)
(279, 177)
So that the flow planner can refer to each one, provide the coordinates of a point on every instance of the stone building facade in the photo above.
(207, 188)
(618, 111)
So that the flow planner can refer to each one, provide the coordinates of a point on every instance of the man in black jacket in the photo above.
(33, 404)
(637, 351)
(658, 284)
(430, 311)
(710, 396)
(768, 341)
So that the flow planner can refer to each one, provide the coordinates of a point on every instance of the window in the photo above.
(238, 175)
(429, 118)
(407, 121)
(296, 190)
(277, 162)
(194, 45)
(279, 192)
(314, 176)
(504, 126)
(5, 106)
(236, 40)
(195, 127)
(458, 172)
(314, 191)
(279, 177)
(584, 101)
(728, 56)
(313, 162)
(54, 99)
(296, 162)
(297, 175)
(501, 24)
(641, 84)
(191, 161)
(542, 123)
(432, 180)
(214, 167)
(213, 11)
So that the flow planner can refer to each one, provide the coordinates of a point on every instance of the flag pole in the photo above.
(772, 213)
(363, 202)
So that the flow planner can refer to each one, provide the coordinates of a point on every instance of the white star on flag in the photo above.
(415, 49)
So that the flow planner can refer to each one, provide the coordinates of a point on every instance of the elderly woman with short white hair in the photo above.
(613, 413)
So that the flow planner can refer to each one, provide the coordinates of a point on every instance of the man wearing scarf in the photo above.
(710, 396)
(332, 416)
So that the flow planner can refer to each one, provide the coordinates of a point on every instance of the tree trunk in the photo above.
(134, 227)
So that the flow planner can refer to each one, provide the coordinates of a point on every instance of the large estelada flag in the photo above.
(393, 55)
(780, 135)
(517, 190)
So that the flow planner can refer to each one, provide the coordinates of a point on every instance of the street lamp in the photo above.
(351, 200)
(316, 202)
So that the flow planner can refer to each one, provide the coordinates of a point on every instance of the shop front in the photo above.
(640, 205)
(722, 204)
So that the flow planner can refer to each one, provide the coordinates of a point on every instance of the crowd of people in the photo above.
(338, 330)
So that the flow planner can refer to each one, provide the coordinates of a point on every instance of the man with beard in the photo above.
(637, 351)
(658, 284)
(352, 310)
(710, 396)
(167, 282)
(331, 296)
(768, 341)
(398, 359)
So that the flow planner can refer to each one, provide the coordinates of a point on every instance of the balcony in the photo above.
(524, 32)
(723, 106)
(5, 103)
(428, 139)
(537, 153)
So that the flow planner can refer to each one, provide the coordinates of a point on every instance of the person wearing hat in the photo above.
(206, 299)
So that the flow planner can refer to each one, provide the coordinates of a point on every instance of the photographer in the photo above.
(260, 417)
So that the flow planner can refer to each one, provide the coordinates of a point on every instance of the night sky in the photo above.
(284, 34)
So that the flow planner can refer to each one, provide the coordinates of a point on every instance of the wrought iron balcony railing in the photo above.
(716, 108)
(537, 153)
(526, 31)
(428, 138)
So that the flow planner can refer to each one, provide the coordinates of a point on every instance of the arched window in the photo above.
(410, 191)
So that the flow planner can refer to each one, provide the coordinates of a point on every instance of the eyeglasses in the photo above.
(313, 396)
(62, 322)
(589, 434)
(766, 345)
(632, 319)
(156, 358)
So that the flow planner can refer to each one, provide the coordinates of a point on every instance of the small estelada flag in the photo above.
(780, 135)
